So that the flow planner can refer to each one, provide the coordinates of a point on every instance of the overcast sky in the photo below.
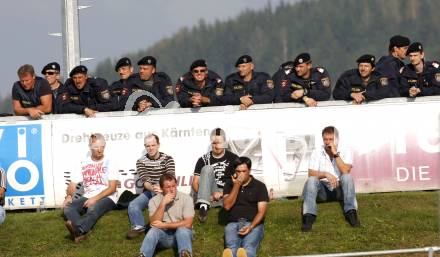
(108, 29)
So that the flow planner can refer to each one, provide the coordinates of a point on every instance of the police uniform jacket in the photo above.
(351, 82)
(281, 79)
(31, 98)
(390, 66)
(260, 87)
(213, 89)
(95, 95)
(160, 86)
(428, 81)
(54, 97)
(318, 86)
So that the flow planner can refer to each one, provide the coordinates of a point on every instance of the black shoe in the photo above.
(307, 222)
(352, 218)
(75, 234)
(203, 213)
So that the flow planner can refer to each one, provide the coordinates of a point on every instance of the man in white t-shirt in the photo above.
(100, 180)
(329, 180)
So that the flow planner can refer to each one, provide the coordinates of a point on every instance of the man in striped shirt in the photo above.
(2, 194)
(149, 169)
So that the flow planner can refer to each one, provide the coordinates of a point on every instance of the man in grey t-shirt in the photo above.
(171, 216)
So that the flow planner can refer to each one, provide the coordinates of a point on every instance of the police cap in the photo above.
(243, 59)
(398, 41)
(302, 58)
(198, 63)
(125, 61)
(414, 47)
(147, 60)
(366, 58)
(78, 69)
(51, 66)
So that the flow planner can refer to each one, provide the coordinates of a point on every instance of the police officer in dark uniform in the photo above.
(420, 77)
(31, 95)
(51, 73)
(119, 88)
(281, 78)
(246, 86)
(362, 84)
(307, 84)
(392, 64)
(84, 95)
(152, 89)
(200, 86)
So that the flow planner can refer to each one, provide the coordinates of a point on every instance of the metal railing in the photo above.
(430, 250)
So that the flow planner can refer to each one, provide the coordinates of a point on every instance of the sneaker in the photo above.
(135, 232)
(139, 255)
(241, 252)
(185, 253)
(75, 234)
(203, 213)
(307, 222)
(352, 218)
(227, 253)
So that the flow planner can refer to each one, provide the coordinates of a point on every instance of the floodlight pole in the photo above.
(70, 35)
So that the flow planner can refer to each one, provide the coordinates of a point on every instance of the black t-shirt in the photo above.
(31, 98)
(246, 205)
(222, 166)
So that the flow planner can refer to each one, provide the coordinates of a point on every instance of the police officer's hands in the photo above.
(143, 105)
(89, 112)
(414, 91)
(196, 100)
(358, 98)
(310, 102)
(35, 113)
(297, 94)
(246, 100)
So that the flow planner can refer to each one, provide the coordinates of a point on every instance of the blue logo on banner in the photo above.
(20, 151)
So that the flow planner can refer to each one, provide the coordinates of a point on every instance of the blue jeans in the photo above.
(75, 209)
(315, 190)
(181, 237)
(2, 214)
(250, 242)
(136, 209)
(207, 186)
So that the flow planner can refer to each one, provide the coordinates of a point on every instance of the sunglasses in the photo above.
(50, 73)
(199, 71)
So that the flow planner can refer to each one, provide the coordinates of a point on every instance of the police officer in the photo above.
(51, 73)
(153, 89)
(200, 86)
(246, 86)
(119, 88)
(362, 84)
(307, 84)
(392, 64)
(420, 77)
(84, 95)
(31, 95)
(281, 78)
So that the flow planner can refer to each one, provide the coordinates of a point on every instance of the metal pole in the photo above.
(70, 35)
(430, 251)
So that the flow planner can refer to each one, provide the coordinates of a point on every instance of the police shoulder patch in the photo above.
(401, 70)
(169, 89)
(284, 83)
(325, 82)
(321, 70)
(383, 81)
(219, 80)
(124, 91)
(270, 83)
(435, 65)
(238, 87)
(219, 91)
(64, 97)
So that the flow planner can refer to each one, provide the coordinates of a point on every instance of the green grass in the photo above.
(389, 221)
